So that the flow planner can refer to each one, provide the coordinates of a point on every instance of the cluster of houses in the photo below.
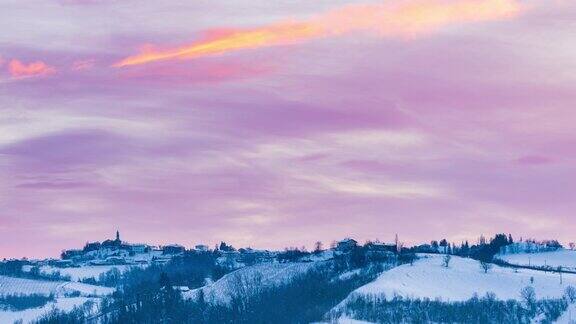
(245, 256)
(117, 252)
(531, 246)
(373, 250)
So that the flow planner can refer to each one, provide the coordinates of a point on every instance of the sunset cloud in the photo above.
(81, 65)
(405, 19)
(455, 115)
(198, 72)
(19, 69)
(387, 189)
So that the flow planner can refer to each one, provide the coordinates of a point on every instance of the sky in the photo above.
(281, 123)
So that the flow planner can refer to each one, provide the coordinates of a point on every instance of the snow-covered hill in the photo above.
(31, 314)
(246, 280)
(554, 259)
(21, 286)
(84, 272)
(428, 278)
(60, 289)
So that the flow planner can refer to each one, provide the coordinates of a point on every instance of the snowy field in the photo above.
(346, 320)
(569, 316)
(263, 275)
(84, 272)
(11, 286)
(427, 278)
(564, 258)
(21, 286)
(28, 315)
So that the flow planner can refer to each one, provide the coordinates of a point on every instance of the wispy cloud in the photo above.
(534, 160)
(19, 69)
(452, 114)
(388, 189)
(81, 65)
(18, 126)
(404, 19)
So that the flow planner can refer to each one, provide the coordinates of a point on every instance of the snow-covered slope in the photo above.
(569, 316)
(21, 286)
(347, 320)
(28, 315)
(564, 258)
(427, 278)
(77, 274)
(245, 280)
(85, 289)
(60, 289)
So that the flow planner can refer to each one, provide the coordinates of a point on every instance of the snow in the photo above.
(28, 315)
(11, 286)
(22, 286)
(261, 275)
(346, 320)
(427, 278)
(349, 274)
(562, 257)
(322, 256)
(104, 254)
(84, 272)
(86, 289)
(569, 316)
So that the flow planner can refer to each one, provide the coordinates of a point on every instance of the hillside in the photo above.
(427, 278)
(83, 272)
(31, 314)
(21, 286)
(247, 280)
(349, 283)
(61, 290)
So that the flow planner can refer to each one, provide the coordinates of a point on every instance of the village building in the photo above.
(346, 245)
(173, 249)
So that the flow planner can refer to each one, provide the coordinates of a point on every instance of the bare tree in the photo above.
(485, 266)
(318, 247)
(570, 294)
(528, 295)
(446, 260)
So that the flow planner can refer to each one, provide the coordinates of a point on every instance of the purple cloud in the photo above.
(534, 160)
(349, 135)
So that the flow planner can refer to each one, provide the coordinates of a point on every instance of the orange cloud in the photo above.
(279, 34)
(20, 70)
(403, 19)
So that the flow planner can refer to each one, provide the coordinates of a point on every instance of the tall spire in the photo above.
(117, 235)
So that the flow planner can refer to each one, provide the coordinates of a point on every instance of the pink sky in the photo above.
(285, 122)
